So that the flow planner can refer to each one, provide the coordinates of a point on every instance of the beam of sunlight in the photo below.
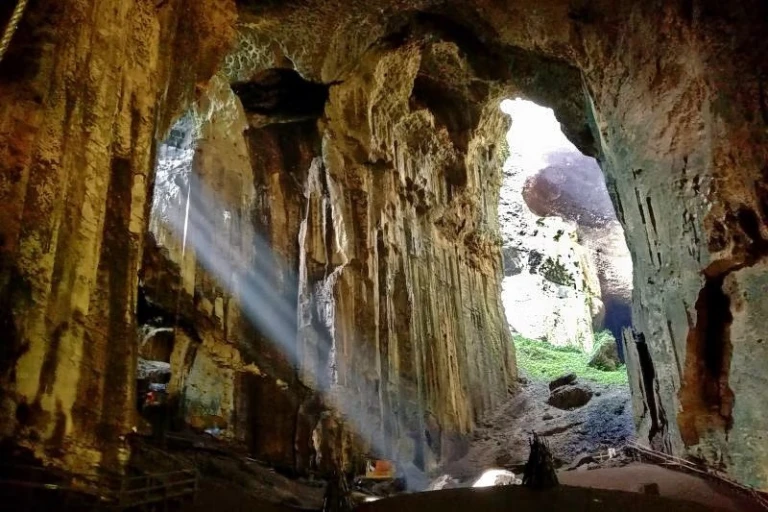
(256, 286)
(253, 285)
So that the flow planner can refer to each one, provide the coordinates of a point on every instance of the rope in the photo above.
(13, 24)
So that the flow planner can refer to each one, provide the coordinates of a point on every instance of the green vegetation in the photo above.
(555, 272)
(603, 337)
(542, 361)
(504, 149)
(604, 354)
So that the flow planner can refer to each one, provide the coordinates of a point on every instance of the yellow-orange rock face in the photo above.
(85, 90)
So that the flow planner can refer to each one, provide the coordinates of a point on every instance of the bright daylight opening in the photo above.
(568, 272)
(566, 291)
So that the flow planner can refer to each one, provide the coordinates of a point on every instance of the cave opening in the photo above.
(567, 285)
(311, 263)
(566, 263)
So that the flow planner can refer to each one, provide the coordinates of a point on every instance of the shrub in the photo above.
(605, 354)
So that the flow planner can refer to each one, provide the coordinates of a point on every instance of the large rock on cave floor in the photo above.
(570, 397)
(606, 357)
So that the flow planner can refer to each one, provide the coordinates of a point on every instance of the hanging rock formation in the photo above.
(381, 213)
(376, 230)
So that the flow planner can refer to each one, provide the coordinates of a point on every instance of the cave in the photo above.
(297, 208)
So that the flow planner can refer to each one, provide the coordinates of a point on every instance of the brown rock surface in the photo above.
(403, 168)
(85, 89)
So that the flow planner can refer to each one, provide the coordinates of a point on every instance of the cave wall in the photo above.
(669, 95)
(420, 335)
(671, 98)
(684, 148)
(198, 275)
(87, 86)
(380, 242)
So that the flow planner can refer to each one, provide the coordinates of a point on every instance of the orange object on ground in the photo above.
(381, 469)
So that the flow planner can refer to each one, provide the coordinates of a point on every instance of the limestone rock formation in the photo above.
(86, 88)
(572, 187)
(383, 210)
(551, 289)
(387, 267)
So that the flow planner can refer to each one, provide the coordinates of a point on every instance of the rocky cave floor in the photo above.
(578, 437)
(232, 479)
(573, 435)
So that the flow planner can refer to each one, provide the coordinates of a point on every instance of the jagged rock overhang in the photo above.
(508, 70)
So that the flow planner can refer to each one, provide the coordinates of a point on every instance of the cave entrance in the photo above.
(568, 271)
(566, 292)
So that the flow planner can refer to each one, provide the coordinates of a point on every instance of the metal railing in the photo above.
(156, 488)
(35, 488)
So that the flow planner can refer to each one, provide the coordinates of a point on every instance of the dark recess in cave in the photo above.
(618, 316)
(648, 374)
(705, 386)
(714, 314)
(282, 94)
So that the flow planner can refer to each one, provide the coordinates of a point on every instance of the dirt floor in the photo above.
(229, 479)
(519, 499)
(501, 440)
(671, 484)
(574, 436)
(232, 482)
(219, 495)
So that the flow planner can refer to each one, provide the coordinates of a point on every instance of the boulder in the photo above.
(513, 261)
(570, 397)
(606, 357)
(153, 371)
(562, 381)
